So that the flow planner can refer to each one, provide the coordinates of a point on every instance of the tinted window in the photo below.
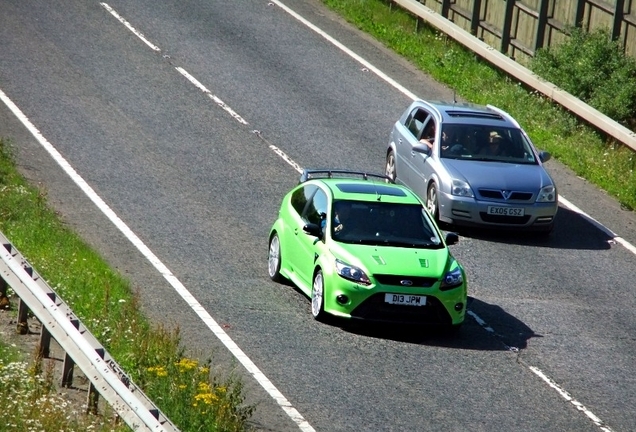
(384, 224)
(317, 208)
(301, 197)
(370, 188)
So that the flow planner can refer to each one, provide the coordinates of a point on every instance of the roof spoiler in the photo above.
(309, 174)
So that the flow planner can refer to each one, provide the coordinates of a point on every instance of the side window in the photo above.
(317, 208)
(301, 197)
(428, 132)
(415, 122)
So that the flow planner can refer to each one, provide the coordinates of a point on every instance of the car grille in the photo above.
(416, 281)
(375, 309)
(495, 194)
(511, 220)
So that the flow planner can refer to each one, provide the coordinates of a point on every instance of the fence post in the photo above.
(507, 25)
(618, 19)
(542, 20)
(475, 19)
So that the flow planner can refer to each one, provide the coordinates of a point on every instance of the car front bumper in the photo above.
(367, 303)
(465, 211)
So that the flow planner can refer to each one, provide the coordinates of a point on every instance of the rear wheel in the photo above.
(389, 169)
(431, 201)
(274, 259)
(318, 297)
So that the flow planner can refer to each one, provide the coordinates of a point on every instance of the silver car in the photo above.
(473, 165)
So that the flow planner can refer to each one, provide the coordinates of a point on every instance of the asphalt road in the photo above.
(197, 175)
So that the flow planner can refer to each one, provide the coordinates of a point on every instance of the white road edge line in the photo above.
(165, 272)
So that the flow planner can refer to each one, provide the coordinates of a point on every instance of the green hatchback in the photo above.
(362, 247)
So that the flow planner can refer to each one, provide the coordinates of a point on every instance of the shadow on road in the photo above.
(571, 231)
(487, 327)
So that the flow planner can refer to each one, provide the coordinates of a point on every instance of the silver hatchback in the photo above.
(473, 165)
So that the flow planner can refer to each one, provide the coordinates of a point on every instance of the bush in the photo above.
(592, 67)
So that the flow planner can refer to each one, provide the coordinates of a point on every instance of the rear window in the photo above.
(370, 188)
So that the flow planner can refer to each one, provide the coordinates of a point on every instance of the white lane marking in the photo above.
(579, 406)
(165, 272)
(217, 100)
(129, 27)
(627, 245)
(347, 51)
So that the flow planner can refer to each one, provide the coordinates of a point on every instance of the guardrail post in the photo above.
(4, 299)
(69, 364)
(93, 395)
(23, 312)
(45, 337)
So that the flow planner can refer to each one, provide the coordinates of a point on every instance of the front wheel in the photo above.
(318, 297)
(274, 259)
(389, 169)
(431, 201)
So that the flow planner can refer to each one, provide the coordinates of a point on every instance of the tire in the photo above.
(389, 169)
(318, 297)
(431, 201)
(274, 259)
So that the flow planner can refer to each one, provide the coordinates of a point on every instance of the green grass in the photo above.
(589, 153)
(103, 300)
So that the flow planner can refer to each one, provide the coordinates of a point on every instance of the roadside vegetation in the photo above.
(153, 357)
(588, 152)
(182, 387)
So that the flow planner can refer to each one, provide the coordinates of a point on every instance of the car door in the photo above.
(408, 135)
(423, 165)
(294, 234)
(310, 246)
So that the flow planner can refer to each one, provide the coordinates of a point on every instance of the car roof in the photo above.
(452, 112)
(360, 186)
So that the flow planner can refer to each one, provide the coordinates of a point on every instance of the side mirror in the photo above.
(544, 156)
(313, 230)
(423, 149)
(451, 238)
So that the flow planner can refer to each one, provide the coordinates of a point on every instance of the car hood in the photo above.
(498, 175)
(394, 260)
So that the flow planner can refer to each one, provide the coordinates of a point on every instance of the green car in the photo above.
(362, 247)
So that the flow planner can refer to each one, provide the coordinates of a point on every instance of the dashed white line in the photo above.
(217, 100)
(129, 27)
(579, 406)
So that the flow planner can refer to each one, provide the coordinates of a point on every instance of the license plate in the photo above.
(505, 211)
(405, 299)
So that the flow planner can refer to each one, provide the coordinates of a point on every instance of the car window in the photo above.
(476, 142)
(384, 224)
(316, 209)
(301, 197)
(415, 122)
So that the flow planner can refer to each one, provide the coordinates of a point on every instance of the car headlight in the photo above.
(461, 188)
(547, 194)
(452, 279)
(352, 273)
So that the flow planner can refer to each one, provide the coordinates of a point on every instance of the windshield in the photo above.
(383, 224)
(485, 143)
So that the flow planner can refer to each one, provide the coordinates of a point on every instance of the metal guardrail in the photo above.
(558, 95)
(106, 377)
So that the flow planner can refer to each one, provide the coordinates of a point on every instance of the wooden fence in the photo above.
(518, 29)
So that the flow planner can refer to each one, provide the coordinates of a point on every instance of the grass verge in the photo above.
(589, 153)
(182, 387)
